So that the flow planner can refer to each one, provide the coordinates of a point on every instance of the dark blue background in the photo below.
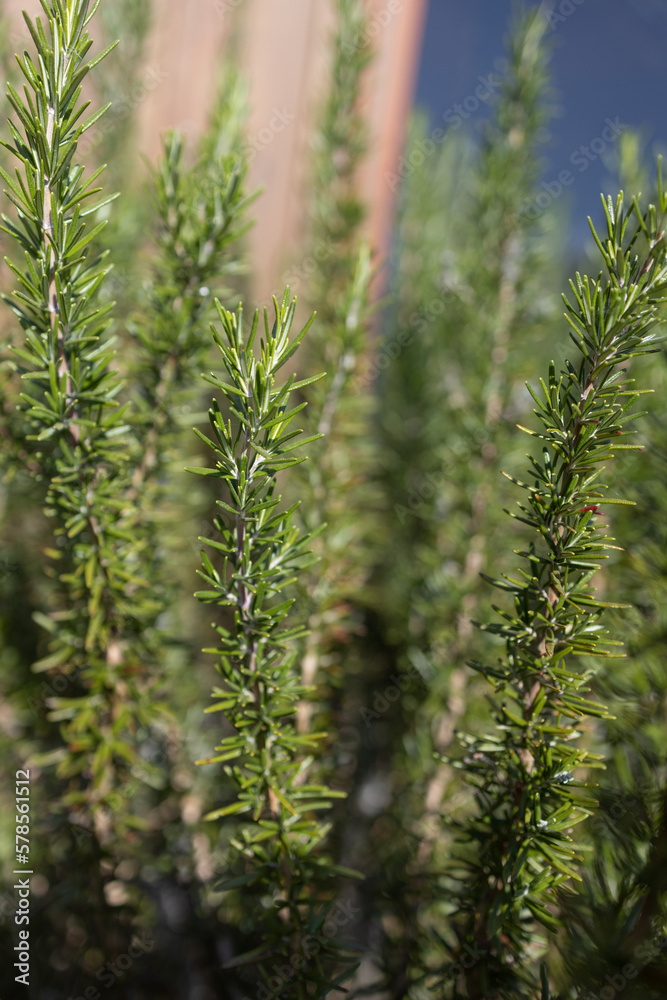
(609, 60)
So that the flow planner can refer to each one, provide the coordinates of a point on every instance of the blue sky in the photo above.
(609, 62)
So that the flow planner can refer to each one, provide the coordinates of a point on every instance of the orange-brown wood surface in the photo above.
(282, 48)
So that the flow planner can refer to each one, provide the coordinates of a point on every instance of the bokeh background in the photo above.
(473, 231)
(607, 63)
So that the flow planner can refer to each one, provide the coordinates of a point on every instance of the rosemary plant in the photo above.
(260, 551)
(79, 440)
(339, 287)
(530, 775)
(124, 83)
(340, 147)
(615, 920)
(199, 211)
(198, 222)
(465, 261)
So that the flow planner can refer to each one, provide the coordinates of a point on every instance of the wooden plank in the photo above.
(283, 48)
